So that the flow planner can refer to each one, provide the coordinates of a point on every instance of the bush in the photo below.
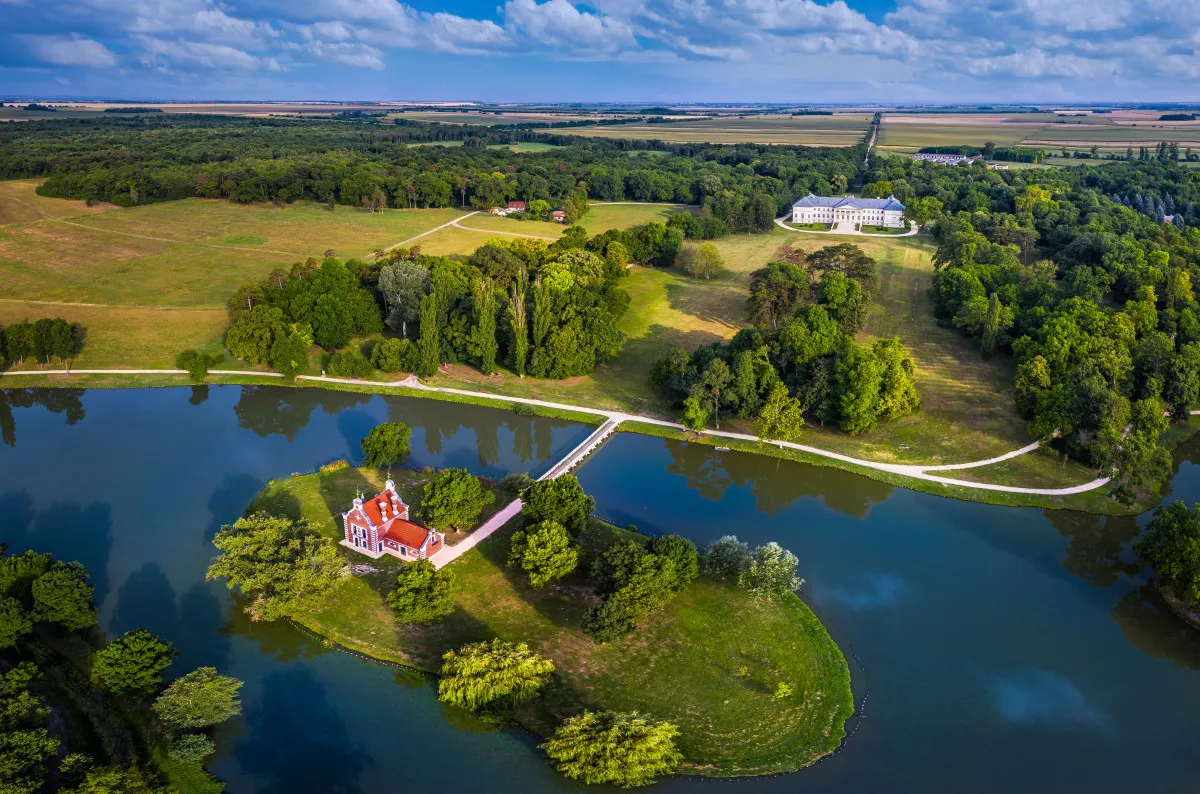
(337, 465)
(196, 363)
(725, 558)
(395, 355)
(523, 409)
(682, 554)
(192, 748)
(348, 364)
(424, 594)
(770, 571)
(623, 749)
(517, 481)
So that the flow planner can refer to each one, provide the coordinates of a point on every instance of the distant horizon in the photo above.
(866, 104)
(878, 51)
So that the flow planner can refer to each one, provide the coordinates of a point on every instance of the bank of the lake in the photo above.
(998, 649)
(709, 662)
(1097, 500)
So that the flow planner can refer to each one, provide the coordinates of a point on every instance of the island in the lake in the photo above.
(712, 660)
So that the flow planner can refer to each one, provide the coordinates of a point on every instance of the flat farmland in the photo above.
(20, 203)
(908, 132)
(489, 118)
(842, 129)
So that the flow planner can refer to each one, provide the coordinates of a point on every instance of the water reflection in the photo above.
(192, 622)
(278, 410)
(278, 640)
(1040, 696)
(230, 500)
(1099, 549)
(298, 741)
(56, 401)
(65, 529)
(1154, 629)
(199, 395)
(775, 483)
(872, 591)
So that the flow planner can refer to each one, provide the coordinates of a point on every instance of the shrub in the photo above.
(782, 690)
(770, 571)
(517, 481)
(196, 363)
(348, 364)
(625, 749)
(337, 465)
(682, 554)
(725, 557)
(523, 409)
(395, 355)
(423, 594)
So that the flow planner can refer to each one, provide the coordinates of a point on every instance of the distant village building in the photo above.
(380, 526)
(516, 206)
(847, 209)
(559, 216)
(944, 159)
(998, 166)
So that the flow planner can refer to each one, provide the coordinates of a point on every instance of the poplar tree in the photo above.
(428, 346)
(485, 325)
(991, 328)
(516, 315)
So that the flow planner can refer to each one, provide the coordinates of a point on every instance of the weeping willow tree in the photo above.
(492, 675)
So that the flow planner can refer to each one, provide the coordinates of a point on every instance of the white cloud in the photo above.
(558, 25)
(71, 51)
(361, 55)
(166, 54)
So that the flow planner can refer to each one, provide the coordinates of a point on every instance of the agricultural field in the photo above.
(490, 118)
(843, 129)
(908, 132)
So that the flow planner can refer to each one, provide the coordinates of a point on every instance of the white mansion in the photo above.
(847, 209)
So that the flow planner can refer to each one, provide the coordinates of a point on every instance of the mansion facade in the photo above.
(847, 209)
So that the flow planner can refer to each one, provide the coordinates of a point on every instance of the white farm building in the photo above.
(847, 209)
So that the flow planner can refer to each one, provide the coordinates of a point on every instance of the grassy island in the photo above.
(710, 662)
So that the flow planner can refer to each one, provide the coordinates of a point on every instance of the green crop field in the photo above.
(843, 129)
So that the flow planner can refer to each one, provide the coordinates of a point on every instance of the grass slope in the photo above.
(682, 666)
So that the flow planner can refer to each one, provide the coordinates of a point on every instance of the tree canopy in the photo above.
(201, 698)
(561, 500)
(544, 551)
(386, 444)
(275, 562)
(454, 500)
(623, 749)
(492, 675)
(1171, 546)
(133, 662)
(424, 594)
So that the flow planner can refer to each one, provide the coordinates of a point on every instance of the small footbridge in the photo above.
(573, 459)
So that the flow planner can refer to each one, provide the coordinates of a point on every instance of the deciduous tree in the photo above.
(561, 500)
(424, 594)
(133, 662)
(623, 749)
(544, 551)
(492, 675)
(454, 500)
(201, 698)
(386, 444)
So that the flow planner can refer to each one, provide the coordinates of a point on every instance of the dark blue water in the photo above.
(998, 649)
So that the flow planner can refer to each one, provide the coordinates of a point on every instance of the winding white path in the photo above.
(914, 470)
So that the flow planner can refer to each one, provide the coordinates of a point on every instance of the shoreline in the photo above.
(1186, 612)
(1089, 497)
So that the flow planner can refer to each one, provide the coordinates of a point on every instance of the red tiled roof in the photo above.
(406, 532)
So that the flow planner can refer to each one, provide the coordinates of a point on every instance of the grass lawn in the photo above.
(119, 338)
(683, 665)
(526, 147)
(882, 230)
(19, 203)
(812, 227)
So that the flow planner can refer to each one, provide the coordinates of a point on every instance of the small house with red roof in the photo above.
(516, 206)
(559, 216)
(380, 525)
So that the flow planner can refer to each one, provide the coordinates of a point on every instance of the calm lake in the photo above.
(994, 649)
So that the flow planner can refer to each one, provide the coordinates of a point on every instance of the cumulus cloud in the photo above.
(71, 51)
(558, 25)
(167, 54)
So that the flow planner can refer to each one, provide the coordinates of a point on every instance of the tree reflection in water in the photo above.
(56, 401)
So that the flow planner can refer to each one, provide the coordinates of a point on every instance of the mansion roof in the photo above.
(850, 202)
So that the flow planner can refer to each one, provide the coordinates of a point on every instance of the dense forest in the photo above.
(1093, 297)
(549, 311)
(82, 715)
(130, 160)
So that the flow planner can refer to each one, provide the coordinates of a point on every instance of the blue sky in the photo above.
(603, 50)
